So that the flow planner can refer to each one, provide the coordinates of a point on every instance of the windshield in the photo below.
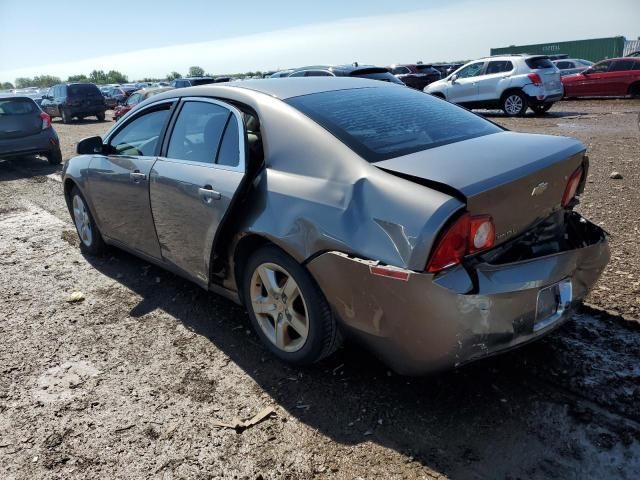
(382, 123)
(17, 106)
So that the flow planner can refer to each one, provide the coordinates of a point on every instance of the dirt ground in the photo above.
(130, 381)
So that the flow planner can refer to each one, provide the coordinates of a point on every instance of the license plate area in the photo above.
(552, 302)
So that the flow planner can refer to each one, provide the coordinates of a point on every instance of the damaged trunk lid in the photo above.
(519, 179)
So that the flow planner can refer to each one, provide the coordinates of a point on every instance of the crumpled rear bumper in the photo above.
(428, 323)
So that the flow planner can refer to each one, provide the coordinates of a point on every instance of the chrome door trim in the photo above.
(132, 115)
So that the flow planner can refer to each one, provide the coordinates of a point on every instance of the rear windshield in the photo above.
(17, 106)
(83, 89)
(383, 123)
(536, 63)
(202, 81)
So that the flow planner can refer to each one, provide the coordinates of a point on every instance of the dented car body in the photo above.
(434, 236)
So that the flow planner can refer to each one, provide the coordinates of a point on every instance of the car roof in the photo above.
(195, 78)
(281, 88)
(339, 68)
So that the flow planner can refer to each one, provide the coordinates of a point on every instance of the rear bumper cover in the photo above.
(41, 142)
(428, 323)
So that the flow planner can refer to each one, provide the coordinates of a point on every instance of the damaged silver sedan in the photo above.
(331, 207)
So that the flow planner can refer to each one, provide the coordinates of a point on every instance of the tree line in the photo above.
(99, 77)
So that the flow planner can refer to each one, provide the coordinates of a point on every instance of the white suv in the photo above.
(510, 82)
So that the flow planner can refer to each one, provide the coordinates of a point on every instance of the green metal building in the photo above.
(593, 49)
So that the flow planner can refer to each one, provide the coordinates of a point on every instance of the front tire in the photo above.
(514, 104)
(288, 310)
(634, 90)
(541, 109)
(91, 241)
(100, 116)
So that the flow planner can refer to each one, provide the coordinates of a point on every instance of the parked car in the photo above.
(282, 73)
(431, 234)
(223, 79)
(190, 82)
(135, 99)
(415, 75)
(26, 130)
(608, 78)
(569, 66)
(446, 69)
(119, 95)
(353, 70)
(79, 100)
(511, 82)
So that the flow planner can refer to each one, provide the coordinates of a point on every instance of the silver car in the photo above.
(569, 66)
(340, 206)
(513, 83)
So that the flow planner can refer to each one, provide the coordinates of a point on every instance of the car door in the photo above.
(119, 179)
(593, 80)
(464, 88)
(620, 76)
(496, 73)
(194, 182)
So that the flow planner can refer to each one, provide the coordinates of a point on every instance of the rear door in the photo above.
(495, 74)
(119, 181)
(620, 76)
(193, 184)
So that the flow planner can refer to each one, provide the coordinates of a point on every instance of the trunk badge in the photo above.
(539, 189)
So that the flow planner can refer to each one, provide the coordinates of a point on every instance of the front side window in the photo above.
(622, 66)
(601, 67)
(140, 136)
(198, 131)
(133, 99)
(382, 123)
(472, 70)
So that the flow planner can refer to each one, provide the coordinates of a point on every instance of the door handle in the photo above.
(208, 194)
(136, 176)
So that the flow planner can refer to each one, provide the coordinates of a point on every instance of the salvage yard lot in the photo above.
(130, 381)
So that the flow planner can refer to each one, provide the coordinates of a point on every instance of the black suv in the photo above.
(69, 100)
(191, 81)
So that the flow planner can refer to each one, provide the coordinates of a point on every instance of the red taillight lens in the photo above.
(465, 236)
(482, 233)
(535, 79)
(46, 120)
(452, 245)
(572, 186)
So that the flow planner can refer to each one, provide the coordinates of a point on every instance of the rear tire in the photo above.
(288, 310)
(66, 116)
(541, 109)
(100, 116)
(514, 104)
(91, 241)
(54, 156)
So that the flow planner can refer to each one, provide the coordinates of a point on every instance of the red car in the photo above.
(136, 98)
(608, 78)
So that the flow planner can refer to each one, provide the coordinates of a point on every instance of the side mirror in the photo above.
(89, 146)
(453, 78)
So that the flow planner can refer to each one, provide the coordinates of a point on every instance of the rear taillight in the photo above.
(572, 186)
(46, 120)
(467, 235)
(535, 79)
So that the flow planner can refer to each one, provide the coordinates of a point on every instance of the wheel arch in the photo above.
(511, 90)
(634, 89)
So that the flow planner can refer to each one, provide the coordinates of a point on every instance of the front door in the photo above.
(194, 183)
(119, 181)
(593, 80)
(464, 88)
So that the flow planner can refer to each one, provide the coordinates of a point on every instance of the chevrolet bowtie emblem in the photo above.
(539, 189)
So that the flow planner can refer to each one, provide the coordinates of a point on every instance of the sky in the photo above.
(150, 38)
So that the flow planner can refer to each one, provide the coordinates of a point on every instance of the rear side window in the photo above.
(197, 132)
(536, 63)
(140, 136)
(499, 66)
(17, 106)
(84, 89)
(382, 123)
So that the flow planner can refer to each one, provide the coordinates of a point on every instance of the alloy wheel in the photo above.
(513, 104)
(279, 307)
(82, 220)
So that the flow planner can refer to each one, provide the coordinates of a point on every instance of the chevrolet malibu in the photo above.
(340, 206)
